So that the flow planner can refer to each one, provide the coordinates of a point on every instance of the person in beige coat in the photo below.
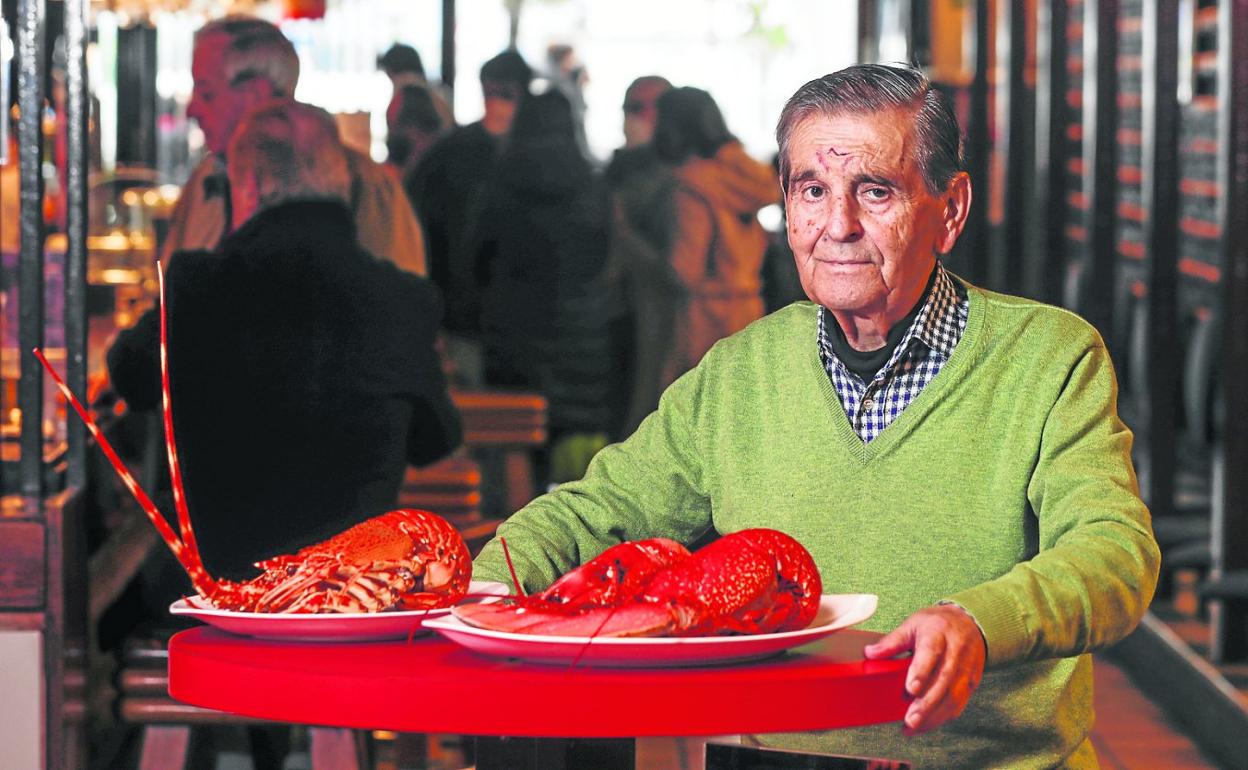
(709, 286)
(239, 63)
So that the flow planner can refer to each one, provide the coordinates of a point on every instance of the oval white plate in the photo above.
(836, 611)
(330, 627)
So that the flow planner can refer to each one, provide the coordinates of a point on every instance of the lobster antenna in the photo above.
(166, 409)
(166, 532)
(515, 581)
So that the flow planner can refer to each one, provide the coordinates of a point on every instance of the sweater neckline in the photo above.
(959, 363)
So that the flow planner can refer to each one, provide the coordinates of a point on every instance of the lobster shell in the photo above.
(749, 582)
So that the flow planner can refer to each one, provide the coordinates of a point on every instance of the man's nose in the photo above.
(193, 107)
(843, 223)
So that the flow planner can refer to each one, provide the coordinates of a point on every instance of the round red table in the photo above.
(430, 685)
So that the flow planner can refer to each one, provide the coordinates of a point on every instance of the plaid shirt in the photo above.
(924, 349)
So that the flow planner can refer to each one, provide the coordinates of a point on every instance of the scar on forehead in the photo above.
(823, 161)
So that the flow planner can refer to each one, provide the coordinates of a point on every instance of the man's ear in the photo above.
(957, 203)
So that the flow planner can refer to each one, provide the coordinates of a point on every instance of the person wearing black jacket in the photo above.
(303, 372)
(542, 265)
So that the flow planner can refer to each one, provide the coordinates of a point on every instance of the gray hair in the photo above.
(256, 49)
(292, 151)
(864, 89)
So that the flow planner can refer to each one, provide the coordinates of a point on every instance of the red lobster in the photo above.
(401, 560)
(750, 582)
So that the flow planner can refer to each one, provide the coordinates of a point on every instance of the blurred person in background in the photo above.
(567, 74)
(449, 188)
(709, 285)
(302, 369)
(639, 233)
(542, 262)
(402, 64)
(413, 126)
(238, 63)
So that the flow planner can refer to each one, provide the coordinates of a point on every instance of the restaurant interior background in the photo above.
(1108, 143)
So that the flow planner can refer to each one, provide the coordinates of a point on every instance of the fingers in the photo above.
(900, 640)
(948, 665)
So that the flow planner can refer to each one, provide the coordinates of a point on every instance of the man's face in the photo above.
(640, 114)
(215, 105)
(864, 229)
(500, 106)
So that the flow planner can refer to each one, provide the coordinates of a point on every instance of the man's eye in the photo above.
(812, 193)
(876, 193)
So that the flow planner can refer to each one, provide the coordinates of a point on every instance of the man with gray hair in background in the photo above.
(240, 62)
(302, 369)
(955, 451)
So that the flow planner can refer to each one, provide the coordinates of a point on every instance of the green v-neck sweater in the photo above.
(1006, 486)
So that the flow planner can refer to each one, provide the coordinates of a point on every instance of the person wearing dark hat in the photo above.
(448, 190)
(402, 64)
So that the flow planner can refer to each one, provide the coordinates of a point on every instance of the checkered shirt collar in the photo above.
(938, 324)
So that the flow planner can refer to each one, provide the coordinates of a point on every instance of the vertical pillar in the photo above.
(30, 88)
(448, 47)
(1015, 145)
(1230, 515)
(1100, 166)
(77, 111)
(1046, 259)
(1159, 173)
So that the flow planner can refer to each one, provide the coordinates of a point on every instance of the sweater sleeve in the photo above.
(651, 485)
(1097, 565)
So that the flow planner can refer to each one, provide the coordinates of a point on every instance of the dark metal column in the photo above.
(448, 47)
(1160, 200)
(77, 108)
(1015, 143)
(973, 246)
(30, 81)
(868, 31)
(1047, 258)
(1100, 163)
(1230, 535)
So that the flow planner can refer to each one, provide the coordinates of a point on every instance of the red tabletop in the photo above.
(430, 685)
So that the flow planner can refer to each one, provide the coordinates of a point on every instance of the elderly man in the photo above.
(955, 451)
(238, 63)
(302, 369)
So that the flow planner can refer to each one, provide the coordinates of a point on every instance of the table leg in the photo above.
(164, 747)
(333, 748)
(555, 753)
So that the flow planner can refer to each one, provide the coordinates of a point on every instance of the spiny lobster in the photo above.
(749, 582)
(401, 560)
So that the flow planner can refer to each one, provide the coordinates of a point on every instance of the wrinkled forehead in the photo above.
(884, 140)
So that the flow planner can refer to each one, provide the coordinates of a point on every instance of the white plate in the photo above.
(836, 611)
(330, 627)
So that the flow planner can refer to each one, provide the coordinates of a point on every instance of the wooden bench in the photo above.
(512, 425)
(168, 724)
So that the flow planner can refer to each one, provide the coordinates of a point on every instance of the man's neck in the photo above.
(867, 329)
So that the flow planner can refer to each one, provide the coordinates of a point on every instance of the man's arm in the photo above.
(1097, 567)
(437, 427)
(1087, 587)
(134, 362)
(651, 485)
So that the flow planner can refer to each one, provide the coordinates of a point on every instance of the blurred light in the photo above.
(772, 218)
